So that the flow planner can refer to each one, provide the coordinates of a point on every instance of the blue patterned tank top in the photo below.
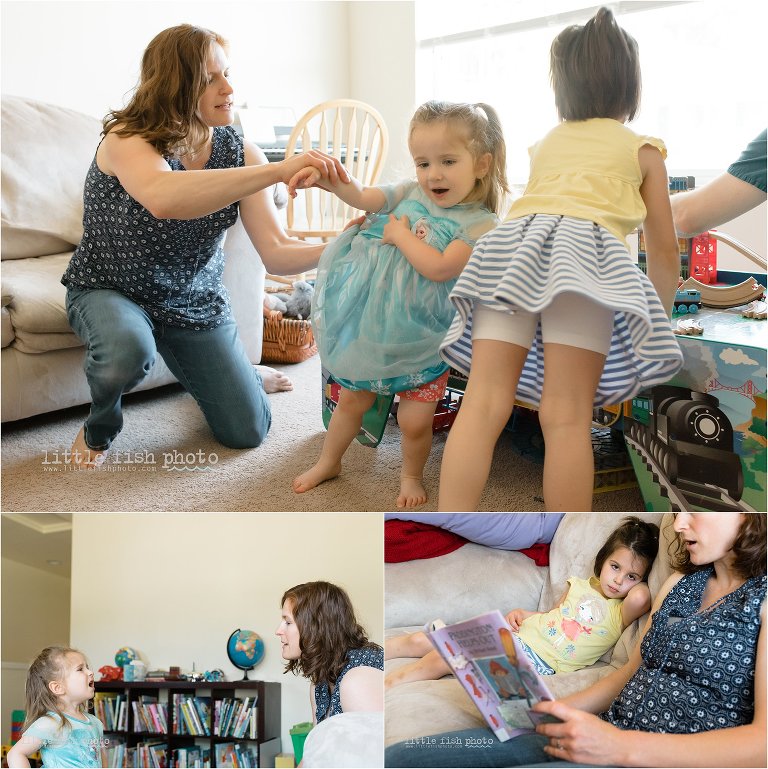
(328, 703)
(698, 666)
(170, 267)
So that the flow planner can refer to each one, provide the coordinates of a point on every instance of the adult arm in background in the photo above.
(587, 739)
(731, 194)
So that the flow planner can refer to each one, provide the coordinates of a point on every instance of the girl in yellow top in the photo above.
(586, 622)
(551, 307)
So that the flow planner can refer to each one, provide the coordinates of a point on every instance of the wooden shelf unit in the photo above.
(268, 715)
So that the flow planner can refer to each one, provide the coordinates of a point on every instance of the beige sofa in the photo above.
(475, 579)
(46, 152)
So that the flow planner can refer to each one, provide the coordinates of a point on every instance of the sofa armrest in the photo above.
(244, 278)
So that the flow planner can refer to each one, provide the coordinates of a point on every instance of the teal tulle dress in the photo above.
(378, 322)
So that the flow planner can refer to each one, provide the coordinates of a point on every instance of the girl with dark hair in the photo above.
(323, 641)
(169, 177)
(693, 692)
(552, 309)
(57, 722)
(586, 622)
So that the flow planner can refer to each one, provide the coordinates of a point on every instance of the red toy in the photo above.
(111, 673)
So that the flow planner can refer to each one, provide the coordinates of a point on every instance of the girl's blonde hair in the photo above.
(482, 129)
(164, 107)
(50, 665)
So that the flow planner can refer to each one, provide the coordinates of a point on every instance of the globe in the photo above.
(245, 650)
(125, 656)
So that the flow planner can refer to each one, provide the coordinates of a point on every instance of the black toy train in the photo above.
(688, 437)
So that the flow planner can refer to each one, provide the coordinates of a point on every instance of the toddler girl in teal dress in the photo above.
(381, 309)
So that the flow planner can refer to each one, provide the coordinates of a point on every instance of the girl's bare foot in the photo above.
(83, 456)
(315, 476)
(412, 492)
(274, 381)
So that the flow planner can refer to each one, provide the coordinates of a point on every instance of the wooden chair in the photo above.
(355, 133)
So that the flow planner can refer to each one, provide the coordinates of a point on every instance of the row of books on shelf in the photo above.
(156, 755)
(236, 718)
(232, 717)
(112, 710)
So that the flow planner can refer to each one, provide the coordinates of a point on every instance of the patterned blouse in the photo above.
(170, 267)
(328, 703)
(698, 666)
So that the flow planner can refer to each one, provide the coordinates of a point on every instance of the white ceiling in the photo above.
(37, 539)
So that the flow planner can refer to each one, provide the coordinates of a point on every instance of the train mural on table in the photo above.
(687, 441)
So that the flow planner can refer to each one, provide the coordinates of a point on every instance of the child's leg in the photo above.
(429, 668)
(577, 336)
(485, 409)
(408, 645)
(571, 376)
(415, 419)
(342, 429)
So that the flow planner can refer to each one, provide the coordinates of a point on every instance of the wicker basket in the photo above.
(287, 340)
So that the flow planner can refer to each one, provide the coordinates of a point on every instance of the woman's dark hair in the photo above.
(641, 538)
(327, 629)
(595, 70)
(163, 109)
(748, 549)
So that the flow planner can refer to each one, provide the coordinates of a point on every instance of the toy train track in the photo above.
(687, 495)
(722, 297)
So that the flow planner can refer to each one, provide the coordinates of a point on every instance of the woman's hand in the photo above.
(581, 737)
(394, 228)
(515, 618)
(329, 167)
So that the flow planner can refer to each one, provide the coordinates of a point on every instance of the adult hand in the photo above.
(394, 228)
(329, 167)
(515, 618)
(581, 737)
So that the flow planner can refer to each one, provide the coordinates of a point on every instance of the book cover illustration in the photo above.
(490, 664)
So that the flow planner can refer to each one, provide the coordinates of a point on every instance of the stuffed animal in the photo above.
(299, 304)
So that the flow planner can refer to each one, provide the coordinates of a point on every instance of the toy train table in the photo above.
(698, 442)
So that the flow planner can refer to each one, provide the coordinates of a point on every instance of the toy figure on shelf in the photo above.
(110, 673)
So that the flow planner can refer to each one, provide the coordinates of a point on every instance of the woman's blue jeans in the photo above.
(122, 342)
(471, 748)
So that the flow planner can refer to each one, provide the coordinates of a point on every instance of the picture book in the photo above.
(489, 662)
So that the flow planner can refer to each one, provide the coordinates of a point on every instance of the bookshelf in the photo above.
(133, 732)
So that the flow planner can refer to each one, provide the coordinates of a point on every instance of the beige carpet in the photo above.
(164, 427)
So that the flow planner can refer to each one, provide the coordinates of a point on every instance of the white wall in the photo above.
(382, 56)
(86, 55)
(174, 586)
(35, 615)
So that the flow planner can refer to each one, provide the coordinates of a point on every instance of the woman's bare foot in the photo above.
(412, 492)
(315, 476)
(274, 381)
(83, 456)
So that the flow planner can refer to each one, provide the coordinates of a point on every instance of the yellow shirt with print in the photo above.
(578, 632)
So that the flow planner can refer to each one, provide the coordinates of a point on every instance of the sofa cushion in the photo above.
(34, 296)
(42, 200)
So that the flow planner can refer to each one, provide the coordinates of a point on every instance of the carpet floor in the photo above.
(167, 460)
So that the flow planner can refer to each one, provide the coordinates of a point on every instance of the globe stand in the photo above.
(245, 674)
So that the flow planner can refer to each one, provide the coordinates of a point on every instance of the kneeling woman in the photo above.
(323, 642)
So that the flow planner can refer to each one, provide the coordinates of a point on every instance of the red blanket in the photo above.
(409, 541)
